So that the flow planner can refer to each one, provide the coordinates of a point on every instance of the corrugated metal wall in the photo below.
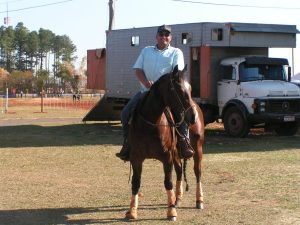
(237, 39)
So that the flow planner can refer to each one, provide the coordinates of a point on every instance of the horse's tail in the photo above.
(184, 175)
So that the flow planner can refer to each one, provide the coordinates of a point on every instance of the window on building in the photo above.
(135, 40)
(217, 34)
(186, 38)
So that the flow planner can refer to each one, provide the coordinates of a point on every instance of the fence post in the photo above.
(42, 101)
(6, 101)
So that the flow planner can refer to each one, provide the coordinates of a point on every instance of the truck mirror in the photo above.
(289, 73)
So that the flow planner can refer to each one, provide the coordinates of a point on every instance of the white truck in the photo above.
(232, 78)
(256, 91)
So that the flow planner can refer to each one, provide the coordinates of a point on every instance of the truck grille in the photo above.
(283, 106)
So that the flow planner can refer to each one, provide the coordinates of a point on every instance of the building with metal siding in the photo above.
(204, 45)
(224, 39)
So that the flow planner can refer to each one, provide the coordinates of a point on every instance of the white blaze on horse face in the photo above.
(196, 114)
(187, 86)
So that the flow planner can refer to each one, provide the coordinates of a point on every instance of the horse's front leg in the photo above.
(171, 213)
(197, 171)
(179, 188)
(135, 186)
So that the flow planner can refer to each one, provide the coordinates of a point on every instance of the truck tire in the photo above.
(287, 129)
(235, 123)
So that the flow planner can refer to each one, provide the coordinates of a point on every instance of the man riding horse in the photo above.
(152, 63)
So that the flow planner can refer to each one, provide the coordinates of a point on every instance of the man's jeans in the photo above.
(127, 113)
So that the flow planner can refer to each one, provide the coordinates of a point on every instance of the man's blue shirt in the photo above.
(155, 62)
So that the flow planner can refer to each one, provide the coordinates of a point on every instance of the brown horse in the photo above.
(152, 135)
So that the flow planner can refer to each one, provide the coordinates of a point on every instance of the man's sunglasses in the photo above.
(164, 34)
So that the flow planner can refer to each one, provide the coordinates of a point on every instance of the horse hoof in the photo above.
(131, 214)
(199, 205)
(178, 203)
(173, 218)
(172, 214)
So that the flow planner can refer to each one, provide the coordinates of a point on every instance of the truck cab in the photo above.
(255, 91)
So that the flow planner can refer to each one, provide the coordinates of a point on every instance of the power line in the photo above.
(37, 6)
(235, 5)
(12, 1)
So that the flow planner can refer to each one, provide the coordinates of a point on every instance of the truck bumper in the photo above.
(273, 118)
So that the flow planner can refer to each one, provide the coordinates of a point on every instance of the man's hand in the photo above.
(148, 84)
(142, 78)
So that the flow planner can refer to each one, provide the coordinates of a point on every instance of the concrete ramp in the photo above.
(107, 109)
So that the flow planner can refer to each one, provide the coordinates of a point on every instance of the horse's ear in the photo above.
(175, 70)
(185, 68)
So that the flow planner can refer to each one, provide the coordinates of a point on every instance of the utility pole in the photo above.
(7, 19)
(111, 5)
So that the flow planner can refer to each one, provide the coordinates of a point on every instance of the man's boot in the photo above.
(124, 153)
(185, 148)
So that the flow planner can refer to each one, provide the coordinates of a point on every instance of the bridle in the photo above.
(171, 121)
(183, 111)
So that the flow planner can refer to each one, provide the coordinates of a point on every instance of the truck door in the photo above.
(227, 85)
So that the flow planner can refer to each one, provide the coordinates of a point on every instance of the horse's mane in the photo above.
(154, 87)
(153, 90)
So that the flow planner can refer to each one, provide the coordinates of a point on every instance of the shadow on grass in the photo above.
(53, 216)
(60, 135)
(216, 141)
(91, 215)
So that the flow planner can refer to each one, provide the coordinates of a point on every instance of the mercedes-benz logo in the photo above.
(285, 106)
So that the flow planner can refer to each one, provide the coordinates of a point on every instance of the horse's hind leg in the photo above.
(135, 186)
(171, 213)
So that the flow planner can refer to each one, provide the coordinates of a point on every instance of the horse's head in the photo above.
(176, 94)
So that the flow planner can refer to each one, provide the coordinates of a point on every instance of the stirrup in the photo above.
(185, 148)
(125, 151)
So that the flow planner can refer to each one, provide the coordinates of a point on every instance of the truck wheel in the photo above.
(235, 124)
(287, 129)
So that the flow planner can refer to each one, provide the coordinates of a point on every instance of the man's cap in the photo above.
(164, 28)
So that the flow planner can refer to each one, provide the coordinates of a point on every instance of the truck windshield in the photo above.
(261, 72)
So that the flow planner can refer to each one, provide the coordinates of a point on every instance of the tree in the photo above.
(8, 48)
(68, 49)
(24, 51)
(20, 80)
(63, 50)
(3, 78)
(46, 38)
(66, 74)
(32, 47)
(21, 38)
(2, 52)
(41, 79)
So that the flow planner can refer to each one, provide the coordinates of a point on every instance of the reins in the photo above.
(183, 111)
(171, 122)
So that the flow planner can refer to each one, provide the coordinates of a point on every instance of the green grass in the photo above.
(58, 173)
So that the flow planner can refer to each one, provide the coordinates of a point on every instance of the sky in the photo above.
(85, 21)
